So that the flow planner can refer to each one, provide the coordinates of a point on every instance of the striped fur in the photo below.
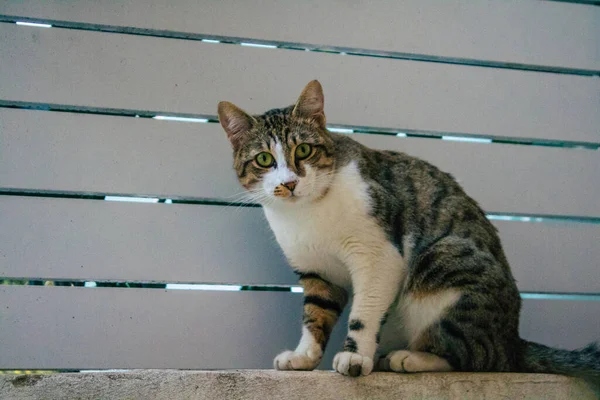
(432, 287)
(323, 304)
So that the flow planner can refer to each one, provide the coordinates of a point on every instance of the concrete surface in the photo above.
(269, 384)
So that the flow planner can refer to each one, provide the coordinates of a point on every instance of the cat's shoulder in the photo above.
(352, 150)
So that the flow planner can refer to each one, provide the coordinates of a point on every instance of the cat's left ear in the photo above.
(235, 121)
(311, 103)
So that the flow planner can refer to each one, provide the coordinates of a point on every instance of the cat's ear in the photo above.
(311, 103)
(235, 121)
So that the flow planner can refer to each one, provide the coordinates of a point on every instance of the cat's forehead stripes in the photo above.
(278, 123)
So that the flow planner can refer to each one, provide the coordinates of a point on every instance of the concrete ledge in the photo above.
(269, 384)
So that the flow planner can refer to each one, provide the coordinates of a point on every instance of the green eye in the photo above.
(303, 151)
(265, 159)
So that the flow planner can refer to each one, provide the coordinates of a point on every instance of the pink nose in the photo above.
(290, 185)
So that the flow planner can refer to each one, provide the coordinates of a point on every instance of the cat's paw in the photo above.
(352, 364)
(414, 361)
(298, 361)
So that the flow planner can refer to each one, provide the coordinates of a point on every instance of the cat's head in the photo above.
(284, 156)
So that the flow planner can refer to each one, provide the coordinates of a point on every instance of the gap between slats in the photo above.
(155, 199)
(231, 287)
(339, 128)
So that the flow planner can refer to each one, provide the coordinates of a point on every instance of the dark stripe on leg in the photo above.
(350, 345)
(355, 325)
(323, 303)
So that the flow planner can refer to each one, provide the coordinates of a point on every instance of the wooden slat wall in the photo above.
(93, 240)
(56, 238)
(134, 155)
(56, 65)
(516, 31)
(46, 327)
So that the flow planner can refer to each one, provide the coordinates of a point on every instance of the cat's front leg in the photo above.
(376, 281)
(323, 304)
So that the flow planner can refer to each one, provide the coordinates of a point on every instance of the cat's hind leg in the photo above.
(479, 331)
(413, 361)
(323, 303)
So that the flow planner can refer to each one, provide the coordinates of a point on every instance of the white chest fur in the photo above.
(315, 237)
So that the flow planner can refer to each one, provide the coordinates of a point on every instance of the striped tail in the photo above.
(583, 363)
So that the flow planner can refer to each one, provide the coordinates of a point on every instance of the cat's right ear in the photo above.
(311, 103)
(235, 121)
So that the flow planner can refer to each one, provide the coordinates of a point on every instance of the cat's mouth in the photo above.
(284, 192)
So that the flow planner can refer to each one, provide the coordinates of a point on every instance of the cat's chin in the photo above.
(292, 200)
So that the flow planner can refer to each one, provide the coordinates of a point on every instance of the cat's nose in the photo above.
(290, 185)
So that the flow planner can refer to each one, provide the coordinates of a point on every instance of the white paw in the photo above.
(352, 364)
(399, 361)
(414, 361)
(300, 361)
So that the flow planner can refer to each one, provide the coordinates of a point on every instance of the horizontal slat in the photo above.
(568, 324)
(61, 151)
(112, 70)
(549, 257)
(145, 328)
(98, 240)
(76, 239)
(44, 327)
(510, 31)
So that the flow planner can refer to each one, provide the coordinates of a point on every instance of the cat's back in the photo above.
(416, 202)
(393, 170)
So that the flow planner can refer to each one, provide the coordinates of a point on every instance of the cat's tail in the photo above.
(583, 363)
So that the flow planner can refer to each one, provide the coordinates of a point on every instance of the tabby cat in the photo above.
(432, 289)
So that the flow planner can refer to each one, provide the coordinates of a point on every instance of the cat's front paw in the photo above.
(352, 364)
(298, 361)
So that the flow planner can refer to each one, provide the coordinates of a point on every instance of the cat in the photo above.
(432, 288)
